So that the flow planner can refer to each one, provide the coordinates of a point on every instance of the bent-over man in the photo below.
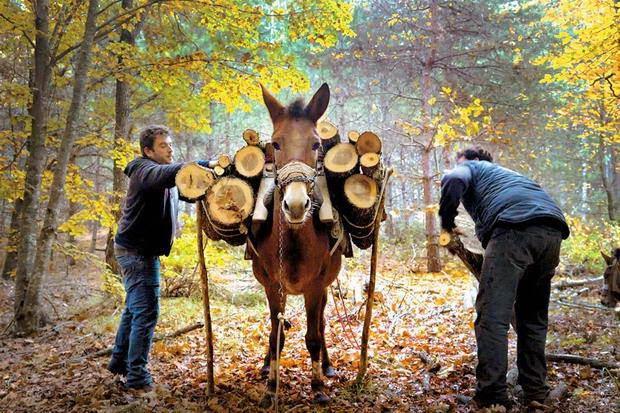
(145, 232)
(521, 229)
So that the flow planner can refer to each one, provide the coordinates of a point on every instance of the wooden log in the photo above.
(251, 137)
(455, 246)
(222, 160)
(341, 161)
(328, 133)
(360, 197)
(219, 171)
(370, 164)
(230, 201)
(368, 142)
(353, 136)
(249, 162)
(193, 180)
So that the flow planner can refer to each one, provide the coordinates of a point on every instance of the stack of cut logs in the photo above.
(353, 169)
(229, 188)
(354, 174)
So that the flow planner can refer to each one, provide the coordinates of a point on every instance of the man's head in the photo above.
(156, 144)
(475, 153)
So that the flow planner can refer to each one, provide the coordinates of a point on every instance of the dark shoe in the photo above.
(480, 404)
(492, 404)
(142, 388)
(116, 367)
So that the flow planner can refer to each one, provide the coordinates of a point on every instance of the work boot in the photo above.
(117, 367)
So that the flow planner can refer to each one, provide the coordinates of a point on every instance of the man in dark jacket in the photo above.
(145, 231)
(521, 229)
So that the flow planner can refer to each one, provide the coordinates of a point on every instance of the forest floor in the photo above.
(416, 314)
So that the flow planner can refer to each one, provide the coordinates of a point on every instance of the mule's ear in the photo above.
(275, 108)
(318, 104)
(607, 258)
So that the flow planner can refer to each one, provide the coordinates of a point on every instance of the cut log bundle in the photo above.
(229, 203)
(193, 180)
(328, 133)
(352, 178)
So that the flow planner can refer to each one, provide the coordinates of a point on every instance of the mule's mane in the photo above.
(297, 109)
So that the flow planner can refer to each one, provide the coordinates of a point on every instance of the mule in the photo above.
(292, 249)
(610, 294)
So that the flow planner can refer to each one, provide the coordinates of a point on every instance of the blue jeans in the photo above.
(135, 332)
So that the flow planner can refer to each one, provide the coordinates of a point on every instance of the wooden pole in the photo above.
(204, 280)
(371, 284)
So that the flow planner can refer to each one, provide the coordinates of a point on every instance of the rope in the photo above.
(277, 368)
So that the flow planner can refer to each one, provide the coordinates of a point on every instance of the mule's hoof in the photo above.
(329, 372)
(320, 398)
(264, 371)
(267, 401)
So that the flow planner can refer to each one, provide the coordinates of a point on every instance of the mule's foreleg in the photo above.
(314, 341)
(276, 306)
(326, 365)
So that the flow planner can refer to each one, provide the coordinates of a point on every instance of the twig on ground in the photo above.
(158, 337)
(582, 305)
(573, 359)
(575, 283)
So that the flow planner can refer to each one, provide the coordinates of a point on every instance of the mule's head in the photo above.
(611, 287)
(296, 144)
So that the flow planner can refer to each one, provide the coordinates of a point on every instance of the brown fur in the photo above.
(611, 288)
(307, 267)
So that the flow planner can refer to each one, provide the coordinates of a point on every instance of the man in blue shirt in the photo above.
(521, 229)
(145, 231)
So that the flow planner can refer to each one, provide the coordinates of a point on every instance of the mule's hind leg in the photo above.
(326, 365)
(314, 341)
(276, 306)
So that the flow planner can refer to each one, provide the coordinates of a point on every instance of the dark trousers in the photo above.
(135, 333)
(517, 270)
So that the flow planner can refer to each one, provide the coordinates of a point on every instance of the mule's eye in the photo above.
(276, 146)
(315, 146)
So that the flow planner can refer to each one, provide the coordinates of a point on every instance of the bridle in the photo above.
(296, 171)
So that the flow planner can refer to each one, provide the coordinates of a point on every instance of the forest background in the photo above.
(535, 82)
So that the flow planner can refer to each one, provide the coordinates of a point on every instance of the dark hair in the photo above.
(148, 135)
(475, 152)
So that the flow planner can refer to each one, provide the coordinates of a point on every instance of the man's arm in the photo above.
(453, 186)
(156, 176)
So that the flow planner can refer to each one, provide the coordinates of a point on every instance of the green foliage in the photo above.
(586, 242)
(179, 270)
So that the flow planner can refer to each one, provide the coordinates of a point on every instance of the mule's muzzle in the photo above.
(296, 204)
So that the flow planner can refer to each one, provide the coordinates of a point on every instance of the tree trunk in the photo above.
(121, 134)
(95, 223)
(610, 175)
(10, 261)
(433, 262)
(25, 319)
(29, 311)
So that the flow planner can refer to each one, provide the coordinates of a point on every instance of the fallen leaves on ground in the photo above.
(422, 354)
